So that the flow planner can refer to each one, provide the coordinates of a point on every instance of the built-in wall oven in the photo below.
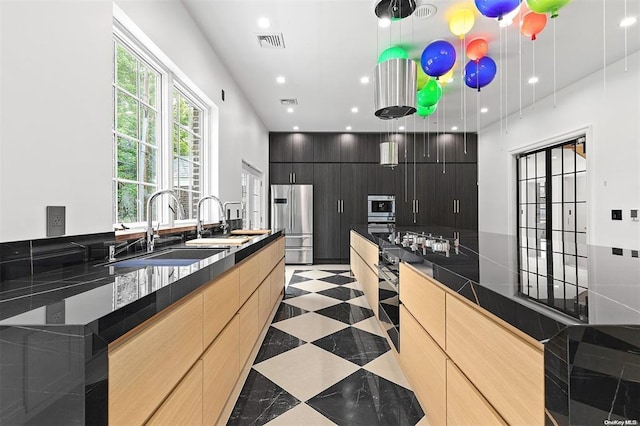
(381, 208)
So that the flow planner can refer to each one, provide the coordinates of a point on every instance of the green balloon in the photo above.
(547, 6)
(426, 111)
(430, 94)
(421, 78)
(393, 52)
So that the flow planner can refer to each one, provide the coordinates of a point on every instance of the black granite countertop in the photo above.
(485, 272)
(97, 291)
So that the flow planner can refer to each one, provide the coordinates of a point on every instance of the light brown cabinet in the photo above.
(221, 366)
(169, 344)
(184, 405)
(181, 366)
(364, 264)
(494, 373)
(426, 362)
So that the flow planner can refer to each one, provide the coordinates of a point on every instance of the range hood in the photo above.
(394, 84)
(389, 154)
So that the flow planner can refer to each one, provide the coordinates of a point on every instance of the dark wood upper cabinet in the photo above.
(326, 147)
(280, 147)
(302, 147)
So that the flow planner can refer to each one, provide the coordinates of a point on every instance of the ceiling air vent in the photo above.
(425, 11)
(288, 102)
(271, 41)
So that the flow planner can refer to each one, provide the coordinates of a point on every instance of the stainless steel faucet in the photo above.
(150, 234)
(223, 219)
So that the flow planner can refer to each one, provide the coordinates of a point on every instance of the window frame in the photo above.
(170, 78)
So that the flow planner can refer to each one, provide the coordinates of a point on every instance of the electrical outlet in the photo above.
(56, 221)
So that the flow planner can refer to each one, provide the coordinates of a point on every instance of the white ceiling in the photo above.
(331, 44)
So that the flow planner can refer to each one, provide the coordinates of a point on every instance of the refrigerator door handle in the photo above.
(293, 206)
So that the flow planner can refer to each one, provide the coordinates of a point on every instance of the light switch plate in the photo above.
(56, 222)
(616, 214)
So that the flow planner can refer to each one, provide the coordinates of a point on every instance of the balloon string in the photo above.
(424, 137)
(554, 64)
(625, 37)
(444, 129)
(604, 50)
(477, 111)
(501, 81)
(506, 83)
(429, 138)
(520, 66)
(533, 88)
(462, 43)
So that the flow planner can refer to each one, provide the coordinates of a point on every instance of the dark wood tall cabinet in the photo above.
(435, 183)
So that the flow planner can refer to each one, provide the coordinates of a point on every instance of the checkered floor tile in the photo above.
(325, 360)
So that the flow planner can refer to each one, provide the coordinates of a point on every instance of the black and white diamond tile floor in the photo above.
(325, 360)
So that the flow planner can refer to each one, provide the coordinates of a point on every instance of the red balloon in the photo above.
(532, 24)
(477, 49)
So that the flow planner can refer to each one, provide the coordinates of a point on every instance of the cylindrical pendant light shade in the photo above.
(394, 83)
(389, 154)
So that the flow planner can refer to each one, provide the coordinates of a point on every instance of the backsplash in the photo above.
(19, 259)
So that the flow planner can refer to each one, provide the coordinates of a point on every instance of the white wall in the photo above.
(610, 115)
(242, 135)
(55, 132)
(55, 99)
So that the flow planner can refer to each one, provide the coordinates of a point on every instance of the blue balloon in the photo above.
(479, 74)
(438, 58)
(496, 8)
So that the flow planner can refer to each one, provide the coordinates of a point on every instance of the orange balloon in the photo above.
(477, 49)
(532, 24)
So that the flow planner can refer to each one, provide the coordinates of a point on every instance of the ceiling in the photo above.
(331, 44)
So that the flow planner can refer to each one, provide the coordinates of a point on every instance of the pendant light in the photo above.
(389, 154)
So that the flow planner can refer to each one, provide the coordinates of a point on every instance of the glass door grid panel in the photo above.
(552, 226)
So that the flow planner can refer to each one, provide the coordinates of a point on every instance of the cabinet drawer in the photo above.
(425, 301)
(169, 345)
(264, 301)
(221, 302)
(277, 282)
(506, 369)
(249, 326)
(424, 364)
(184, 405)
(249, 276)
(465, 405)
(366, 249)
(221, 369)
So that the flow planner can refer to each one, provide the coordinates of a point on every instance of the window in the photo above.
(136, 134)
(187, 143)
(552, 224)
(158, 135)
(252, 217)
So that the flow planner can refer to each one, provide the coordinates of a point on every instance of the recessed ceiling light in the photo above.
(454, 128)
(401, 127)
(264, 22)
(533, 80)
(554, 158)
(364, 80)
(348, 127)
(627, 21)
(484, 110)
(354, 109)
(296, 127)
(289, 109)
(280, 79)
(384, 22)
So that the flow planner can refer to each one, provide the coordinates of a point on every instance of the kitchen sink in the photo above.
(169, 257)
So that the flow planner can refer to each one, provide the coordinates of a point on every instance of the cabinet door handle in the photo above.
(417, 206)
(290, 178)
(338, 206)
(454, 206)
(294, 177)
(341, 206)
(457, 206)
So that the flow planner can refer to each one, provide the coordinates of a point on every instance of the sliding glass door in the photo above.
(552, 226)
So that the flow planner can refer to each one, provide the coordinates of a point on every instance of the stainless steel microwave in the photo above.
(381, 208)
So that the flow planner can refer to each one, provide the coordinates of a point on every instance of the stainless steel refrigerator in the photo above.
(292, 210)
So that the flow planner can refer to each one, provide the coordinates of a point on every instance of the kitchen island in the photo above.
(474, 350)
(133, 342)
